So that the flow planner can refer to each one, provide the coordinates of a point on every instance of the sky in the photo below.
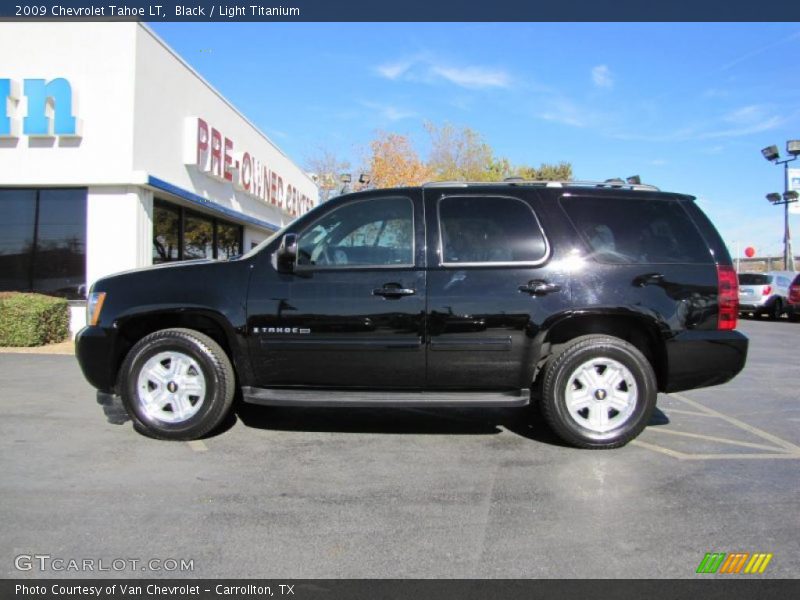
(686, 106)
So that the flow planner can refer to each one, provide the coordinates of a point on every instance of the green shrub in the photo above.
(32, 319)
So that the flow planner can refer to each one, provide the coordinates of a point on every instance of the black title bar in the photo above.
(404, 10)
(707, 587)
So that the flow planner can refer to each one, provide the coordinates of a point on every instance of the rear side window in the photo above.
(631, 230)
(782, 281)
(485, 230)
(754, 279)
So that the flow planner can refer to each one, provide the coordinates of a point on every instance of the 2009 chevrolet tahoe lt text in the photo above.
(585, 299)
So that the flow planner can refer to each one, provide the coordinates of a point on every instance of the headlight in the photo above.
(94, 304)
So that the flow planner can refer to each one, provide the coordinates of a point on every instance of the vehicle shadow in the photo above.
(526, 422)
(399, 421)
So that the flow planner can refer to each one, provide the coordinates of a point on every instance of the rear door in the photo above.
(490, 287)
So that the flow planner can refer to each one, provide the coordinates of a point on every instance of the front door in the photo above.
(352, 315)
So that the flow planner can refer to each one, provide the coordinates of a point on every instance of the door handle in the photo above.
(393, 290)
(648, 279)
(539, 287)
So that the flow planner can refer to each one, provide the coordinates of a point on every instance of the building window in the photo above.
(229, 240)
(181, 234)
(166, 233)
(198, 236)
(43, 241)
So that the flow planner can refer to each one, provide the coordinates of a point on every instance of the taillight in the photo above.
(727, 297)
(794, 294)
(767, 290)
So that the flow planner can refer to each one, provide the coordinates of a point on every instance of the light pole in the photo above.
(771, 154)
(364, 179)
(345, 178)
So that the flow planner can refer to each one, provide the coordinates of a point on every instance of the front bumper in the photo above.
(702, 358)
(94, 349)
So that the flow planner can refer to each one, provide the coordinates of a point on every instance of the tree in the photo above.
(459, 154)
(393, 162)
(463, 155)
(326, 168)
(546, 172)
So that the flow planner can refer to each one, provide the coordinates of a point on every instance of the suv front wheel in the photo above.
(177, 384)
(598, 392)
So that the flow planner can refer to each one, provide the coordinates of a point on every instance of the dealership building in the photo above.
(116, 154)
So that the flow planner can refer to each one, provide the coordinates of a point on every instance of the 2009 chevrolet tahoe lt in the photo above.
(586, 299)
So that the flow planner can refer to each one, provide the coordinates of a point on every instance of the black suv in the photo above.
(586, 299)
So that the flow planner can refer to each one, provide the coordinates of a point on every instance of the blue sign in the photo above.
(39, 93)
(5, 120)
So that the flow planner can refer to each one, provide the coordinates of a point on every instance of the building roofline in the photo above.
(227, 102)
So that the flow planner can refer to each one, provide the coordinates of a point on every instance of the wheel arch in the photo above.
(133, 326)
(640, 330)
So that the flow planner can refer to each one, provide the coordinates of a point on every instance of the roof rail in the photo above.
(512, 181)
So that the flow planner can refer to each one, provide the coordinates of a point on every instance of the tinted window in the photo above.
(229, 240)
(754, 279)
(198, 237)
(43, 241)
(375, 232)
(489, 230)
(60, 260)
(181, 234)
(630, 230)
(17, 227)
(166, 233)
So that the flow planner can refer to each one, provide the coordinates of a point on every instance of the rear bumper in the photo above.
(94, 349)
(752, 307)
(702, 358)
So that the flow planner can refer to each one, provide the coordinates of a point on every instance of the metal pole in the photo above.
(788, 256)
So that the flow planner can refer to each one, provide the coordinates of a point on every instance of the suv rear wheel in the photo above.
(598, 392)
(177, 384)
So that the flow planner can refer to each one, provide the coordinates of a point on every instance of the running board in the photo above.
(389, 399)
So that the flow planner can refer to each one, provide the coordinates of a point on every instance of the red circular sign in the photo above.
(749, 252)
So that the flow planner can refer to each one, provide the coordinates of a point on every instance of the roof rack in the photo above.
(512, 181)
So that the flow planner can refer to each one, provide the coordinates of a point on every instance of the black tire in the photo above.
(591, 349)
(776, 310)
(215, 369)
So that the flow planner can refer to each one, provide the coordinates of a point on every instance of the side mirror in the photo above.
(286, 256)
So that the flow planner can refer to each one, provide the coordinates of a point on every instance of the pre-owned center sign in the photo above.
(215, 155)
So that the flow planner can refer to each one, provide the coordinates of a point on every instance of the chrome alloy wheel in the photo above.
(171, 387)
(601, 395)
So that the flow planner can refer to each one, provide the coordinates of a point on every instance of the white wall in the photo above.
(119, 230)
(98, 61)
(168, 92)
(132, 95)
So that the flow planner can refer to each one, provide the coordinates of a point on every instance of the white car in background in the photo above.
(765, 293)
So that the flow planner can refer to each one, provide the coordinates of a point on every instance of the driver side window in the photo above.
(376, 232)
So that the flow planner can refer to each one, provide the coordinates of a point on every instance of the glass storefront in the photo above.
(43, 241)
(182, 234)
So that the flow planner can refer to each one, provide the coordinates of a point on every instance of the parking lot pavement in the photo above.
(405, 493)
